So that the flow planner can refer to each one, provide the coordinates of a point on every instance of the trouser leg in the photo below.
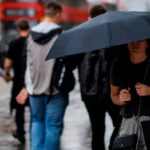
(97, 118)
(113, 111)
(55, 111)
(37, 124)
(20, 121)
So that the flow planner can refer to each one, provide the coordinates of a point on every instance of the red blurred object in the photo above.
(34, 11)
(11, 11)
(75, 14)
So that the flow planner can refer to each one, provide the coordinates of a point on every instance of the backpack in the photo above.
(63, 77)
(92, 72)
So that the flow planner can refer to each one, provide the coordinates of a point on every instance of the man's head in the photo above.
(97, 10)
(53, 10)
(23, 27)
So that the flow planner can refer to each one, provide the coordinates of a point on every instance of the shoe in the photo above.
(21, 138)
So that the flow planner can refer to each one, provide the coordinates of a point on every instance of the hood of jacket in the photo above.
(44, 32)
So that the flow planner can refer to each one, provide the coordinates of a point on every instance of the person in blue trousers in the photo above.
(46, 82)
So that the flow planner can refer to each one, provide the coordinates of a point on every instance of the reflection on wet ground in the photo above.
(7, 142)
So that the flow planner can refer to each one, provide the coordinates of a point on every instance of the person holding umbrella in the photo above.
(130, 89)
(94, 77)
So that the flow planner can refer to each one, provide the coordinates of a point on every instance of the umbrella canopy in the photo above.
(107, 30)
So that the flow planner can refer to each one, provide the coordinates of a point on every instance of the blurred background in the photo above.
(74, 12)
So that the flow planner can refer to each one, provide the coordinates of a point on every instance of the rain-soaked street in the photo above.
(77, 130)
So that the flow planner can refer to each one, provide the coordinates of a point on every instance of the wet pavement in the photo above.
(77, 129)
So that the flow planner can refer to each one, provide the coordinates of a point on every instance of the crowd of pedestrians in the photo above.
(45, 85)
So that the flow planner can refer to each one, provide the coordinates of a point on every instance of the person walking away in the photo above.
(94, 70)
(47, 82)
(13, 61)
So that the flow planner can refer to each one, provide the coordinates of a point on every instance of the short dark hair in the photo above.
(23, 25)
(52, 8)
(97, 10)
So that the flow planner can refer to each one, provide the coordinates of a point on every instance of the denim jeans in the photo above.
(46, 121)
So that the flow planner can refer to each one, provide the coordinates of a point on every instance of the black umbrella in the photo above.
(107, 30)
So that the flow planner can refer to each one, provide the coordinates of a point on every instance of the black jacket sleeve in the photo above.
(23, 64)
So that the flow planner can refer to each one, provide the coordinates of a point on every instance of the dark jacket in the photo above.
(91, 74)
(94, 73)
(14, 53)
